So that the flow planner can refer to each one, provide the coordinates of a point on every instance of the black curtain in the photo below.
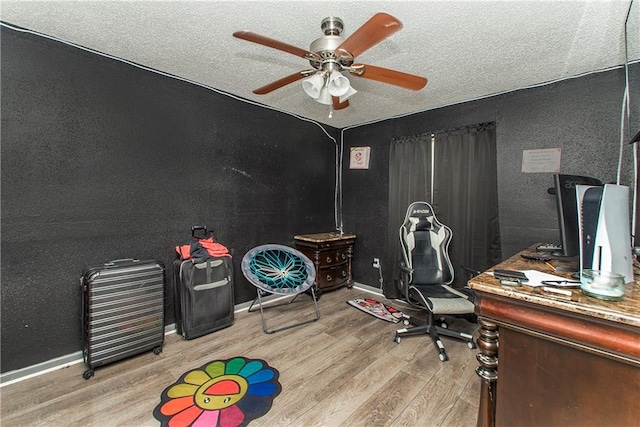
(462, 175)
(409, 181)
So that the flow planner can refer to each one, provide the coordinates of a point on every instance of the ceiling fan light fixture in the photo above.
(313, 85)
(348, 94)
(323, 89)
(338, 85)
(325, 97)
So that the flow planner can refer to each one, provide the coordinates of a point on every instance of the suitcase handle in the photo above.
(117, 261)
(194, 228)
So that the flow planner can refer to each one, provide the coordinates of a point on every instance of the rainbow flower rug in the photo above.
(222, 393)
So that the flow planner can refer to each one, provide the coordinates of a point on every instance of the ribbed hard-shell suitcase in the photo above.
(122, 311)
(204, 300)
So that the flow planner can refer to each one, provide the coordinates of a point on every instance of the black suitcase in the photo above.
(203, 300)
(122, 311)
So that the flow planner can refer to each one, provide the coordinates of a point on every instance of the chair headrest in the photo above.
(421, 209)
(420, 223)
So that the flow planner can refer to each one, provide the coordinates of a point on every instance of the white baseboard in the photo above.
(11, 377)
(368, 288)
(22, 374)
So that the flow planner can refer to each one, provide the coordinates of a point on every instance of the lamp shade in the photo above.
(313, 85)
(338, 84)
(348, 94)
(325, 97)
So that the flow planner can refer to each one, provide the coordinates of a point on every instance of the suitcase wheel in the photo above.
(88, 374)
(157, 350)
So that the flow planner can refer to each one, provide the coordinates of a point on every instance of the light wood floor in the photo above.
(344, 370)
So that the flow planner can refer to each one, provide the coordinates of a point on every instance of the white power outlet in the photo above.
(376, 263)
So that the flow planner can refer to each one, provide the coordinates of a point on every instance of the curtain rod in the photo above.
(475, 127)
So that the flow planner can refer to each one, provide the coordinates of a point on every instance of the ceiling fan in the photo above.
(332, 54)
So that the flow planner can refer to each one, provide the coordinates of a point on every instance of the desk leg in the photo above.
(487, 371)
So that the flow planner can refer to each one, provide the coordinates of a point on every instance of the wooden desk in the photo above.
(331, 254)
(563, 361)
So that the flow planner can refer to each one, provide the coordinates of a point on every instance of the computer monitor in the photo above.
(567, 205)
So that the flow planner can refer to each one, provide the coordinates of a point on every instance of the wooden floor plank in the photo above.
(386, 404)
(341, 403)
(343, 370)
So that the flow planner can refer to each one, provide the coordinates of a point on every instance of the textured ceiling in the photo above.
(467, 49)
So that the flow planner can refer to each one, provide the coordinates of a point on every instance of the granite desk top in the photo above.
(626, 311)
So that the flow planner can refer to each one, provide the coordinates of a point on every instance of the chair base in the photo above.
(434, 331)
(261, 293)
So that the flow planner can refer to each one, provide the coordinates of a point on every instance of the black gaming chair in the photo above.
(425, 275)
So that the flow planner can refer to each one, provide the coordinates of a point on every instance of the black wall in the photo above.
(102, 160)
(581, 116)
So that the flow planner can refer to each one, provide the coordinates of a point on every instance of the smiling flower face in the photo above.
(224, 393)
(221, 392)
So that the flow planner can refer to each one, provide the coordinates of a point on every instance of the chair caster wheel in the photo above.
(87, 374)
(406, 322)
(397, 339)
(157, 350)
(443, 357)
(471, 344)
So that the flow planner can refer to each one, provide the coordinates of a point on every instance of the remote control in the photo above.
(537, 256)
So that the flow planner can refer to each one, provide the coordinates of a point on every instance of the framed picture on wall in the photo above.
(359, 157)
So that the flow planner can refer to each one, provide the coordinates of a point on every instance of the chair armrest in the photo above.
(405, 279)
(406, 269)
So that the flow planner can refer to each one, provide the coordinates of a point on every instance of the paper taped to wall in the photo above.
(543, 160)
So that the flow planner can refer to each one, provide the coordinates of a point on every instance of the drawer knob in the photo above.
(344, 273)
(329, 278)
(329, 260)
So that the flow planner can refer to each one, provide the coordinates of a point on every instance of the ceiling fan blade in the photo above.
(385, 75)
(337, 105)
(275, 44)
(282, 82)
(372, 32)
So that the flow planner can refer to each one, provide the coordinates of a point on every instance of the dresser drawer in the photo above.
(330, 277)
(333, 257)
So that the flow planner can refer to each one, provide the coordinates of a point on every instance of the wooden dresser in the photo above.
(331, 253)
(563, 360)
